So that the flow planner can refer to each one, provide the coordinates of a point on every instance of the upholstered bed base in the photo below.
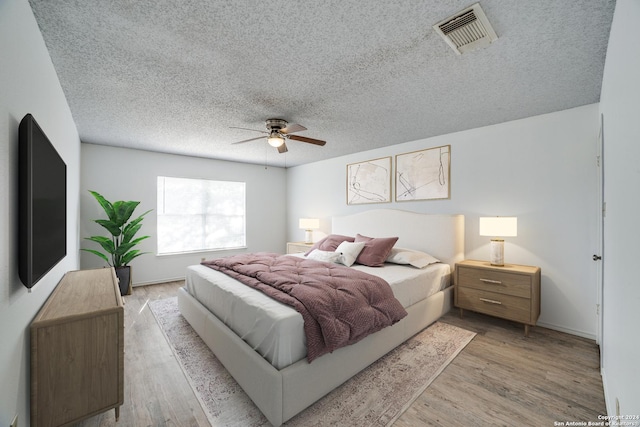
(281, 394)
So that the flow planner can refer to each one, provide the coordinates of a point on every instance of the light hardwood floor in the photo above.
(500, 378)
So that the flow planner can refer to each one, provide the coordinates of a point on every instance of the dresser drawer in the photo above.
(495, 304)
(502, 282)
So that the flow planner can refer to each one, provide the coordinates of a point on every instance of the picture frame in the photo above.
(369, 181)
(424, 174)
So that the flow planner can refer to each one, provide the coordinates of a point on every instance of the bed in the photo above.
(284, 383)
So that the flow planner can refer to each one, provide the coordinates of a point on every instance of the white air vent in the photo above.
(467, 30)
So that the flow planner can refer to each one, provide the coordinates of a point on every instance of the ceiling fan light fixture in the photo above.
(278, 131)
(275, 139)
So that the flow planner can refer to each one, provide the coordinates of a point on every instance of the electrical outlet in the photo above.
(14, 423)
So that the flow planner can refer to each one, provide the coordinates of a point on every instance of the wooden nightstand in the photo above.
(298, 247)
(510, 292)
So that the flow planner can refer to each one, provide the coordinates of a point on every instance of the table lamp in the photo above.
(308, 225)
(498, 227)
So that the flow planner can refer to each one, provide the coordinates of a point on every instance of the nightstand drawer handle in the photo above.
(490, 301)
(495, 282)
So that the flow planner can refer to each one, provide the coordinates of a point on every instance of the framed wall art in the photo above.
(424, 174)
(369, 182)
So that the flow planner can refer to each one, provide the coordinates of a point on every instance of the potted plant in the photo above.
(119, 246)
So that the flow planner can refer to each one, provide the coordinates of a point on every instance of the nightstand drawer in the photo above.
(298, 247)
(495, 304)
(502, 282)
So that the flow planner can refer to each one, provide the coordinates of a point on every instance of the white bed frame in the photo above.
(281, 394)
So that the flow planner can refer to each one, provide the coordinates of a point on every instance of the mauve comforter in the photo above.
(339, 305)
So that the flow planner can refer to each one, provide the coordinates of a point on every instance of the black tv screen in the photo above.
(42, 221)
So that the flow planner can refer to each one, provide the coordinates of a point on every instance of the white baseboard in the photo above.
(611, 405)
(157, 282)
(582, 334)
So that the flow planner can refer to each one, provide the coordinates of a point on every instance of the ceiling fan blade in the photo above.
(252, 130)
(309, 140)
(247, 140)
(293, 127)
(282, 148)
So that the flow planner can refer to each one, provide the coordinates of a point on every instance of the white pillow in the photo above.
(407, 256)
(326, 256)
(348, 252)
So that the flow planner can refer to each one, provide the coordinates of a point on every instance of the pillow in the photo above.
(375, 251)
(348, 252)
(407, 256)
(329, 243)
(326, 256)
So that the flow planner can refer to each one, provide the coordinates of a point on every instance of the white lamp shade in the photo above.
(499, 226)
(309, 223)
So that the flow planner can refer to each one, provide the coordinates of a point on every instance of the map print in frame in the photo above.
(369, 182)
(424, 174)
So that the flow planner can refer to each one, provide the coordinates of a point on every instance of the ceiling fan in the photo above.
(278, 131)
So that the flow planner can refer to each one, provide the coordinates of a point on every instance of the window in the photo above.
(200, 215)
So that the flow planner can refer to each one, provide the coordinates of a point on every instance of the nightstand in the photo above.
(510, 292)
(298, 247)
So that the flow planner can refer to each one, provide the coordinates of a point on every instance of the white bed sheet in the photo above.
(275, 330)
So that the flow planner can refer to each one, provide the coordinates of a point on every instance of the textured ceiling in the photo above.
(174, 76)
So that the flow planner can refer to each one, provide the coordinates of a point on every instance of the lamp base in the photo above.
(308, 236)
(496, 255)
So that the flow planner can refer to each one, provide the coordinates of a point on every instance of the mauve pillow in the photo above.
(375, 251)
(329, 243)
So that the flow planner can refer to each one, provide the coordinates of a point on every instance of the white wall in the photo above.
(620, 106)
(125, 174)
(28, 84)
(540, 169)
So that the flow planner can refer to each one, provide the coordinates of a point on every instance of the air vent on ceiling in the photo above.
(467, 30)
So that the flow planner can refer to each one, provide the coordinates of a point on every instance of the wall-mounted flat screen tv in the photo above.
(42, 221)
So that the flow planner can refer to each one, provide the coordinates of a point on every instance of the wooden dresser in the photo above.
(77, 350)
(509, 292)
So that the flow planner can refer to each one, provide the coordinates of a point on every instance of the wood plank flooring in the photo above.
(504, 379)
(500, 378)
(156, 392)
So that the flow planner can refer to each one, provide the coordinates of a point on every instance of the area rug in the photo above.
(377, 396)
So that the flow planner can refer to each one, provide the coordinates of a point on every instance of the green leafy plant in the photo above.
(118, 247)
